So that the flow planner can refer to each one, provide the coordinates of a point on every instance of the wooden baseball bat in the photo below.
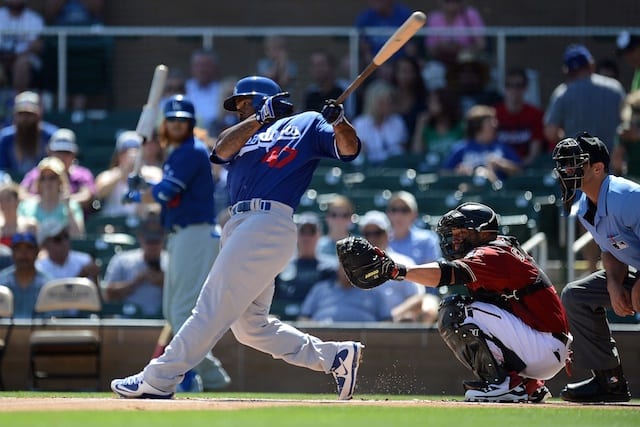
(149, 115)
(398, 39)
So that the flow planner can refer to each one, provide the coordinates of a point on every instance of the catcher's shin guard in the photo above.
(468, 343)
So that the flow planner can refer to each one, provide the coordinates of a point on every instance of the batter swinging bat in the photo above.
(395, 42)
(149, 115)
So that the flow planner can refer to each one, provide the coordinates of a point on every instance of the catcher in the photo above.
(512, 331)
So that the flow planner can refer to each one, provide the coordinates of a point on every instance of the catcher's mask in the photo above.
(470, 216)
(570, 161)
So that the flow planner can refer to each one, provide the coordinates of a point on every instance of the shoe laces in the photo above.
(133, 379)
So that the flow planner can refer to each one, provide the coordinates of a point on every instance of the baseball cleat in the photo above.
(345, 368)
(537, 391)
(504, 392)
(135, 387)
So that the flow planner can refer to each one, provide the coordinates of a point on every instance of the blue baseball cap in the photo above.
(576, 56)
(24, 237)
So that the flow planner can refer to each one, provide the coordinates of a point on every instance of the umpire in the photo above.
(607, 209)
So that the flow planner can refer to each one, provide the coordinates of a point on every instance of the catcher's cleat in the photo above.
(504, 392)
(135, 387)
(345, 368)
(537, 391)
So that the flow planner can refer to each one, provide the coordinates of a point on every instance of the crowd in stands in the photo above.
(435, 103)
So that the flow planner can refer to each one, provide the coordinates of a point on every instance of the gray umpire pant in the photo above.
(586, 301)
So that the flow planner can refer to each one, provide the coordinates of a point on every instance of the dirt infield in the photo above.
(8, 404)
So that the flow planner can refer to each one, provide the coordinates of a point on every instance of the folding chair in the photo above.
(66, 342)
(6, 312)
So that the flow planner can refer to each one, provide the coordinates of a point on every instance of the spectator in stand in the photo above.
(276, 63)
(52, 201)
(23, 144)
(304, 270)
(111, 185)
(322, 69)
(470, 77)
(224, 118)
(420, 245)
(376, 228)
(339, 221)
(81, 181)
(411, 92)
(20, 44)
(380, 124)
(629, 48)
(382, 14)
(586, 101)
(203, 88)
(481, 154)
(439, 127)
(23, 278)
(630, 135)
(609, 68)
(67, 13)
(175, 85)
(10, 221)
(57, 259)
(454, 15)
(336, 300)
(136, 276)
(520, 123)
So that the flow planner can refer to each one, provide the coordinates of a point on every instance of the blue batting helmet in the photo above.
(256, 86)
(180, 107)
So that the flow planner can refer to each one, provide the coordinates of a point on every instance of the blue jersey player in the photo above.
(186, 197)
(271, 155)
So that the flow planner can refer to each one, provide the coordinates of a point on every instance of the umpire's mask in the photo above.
(570, 161)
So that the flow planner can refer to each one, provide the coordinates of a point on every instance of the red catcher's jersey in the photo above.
(501, 267)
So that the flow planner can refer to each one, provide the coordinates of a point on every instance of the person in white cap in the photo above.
(111, 184)
(23, 143)
(62, 145)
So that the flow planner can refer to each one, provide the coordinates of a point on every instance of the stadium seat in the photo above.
(57, 337)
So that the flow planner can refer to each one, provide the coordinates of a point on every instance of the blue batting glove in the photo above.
(133, 196)
(136, 182)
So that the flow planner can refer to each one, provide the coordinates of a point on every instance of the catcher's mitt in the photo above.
(365, 265)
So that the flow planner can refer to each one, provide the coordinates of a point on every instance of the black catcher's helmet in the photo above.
(470, 216)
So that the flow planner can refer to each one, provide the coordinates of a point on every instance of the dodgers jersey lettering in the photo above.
(278, 161)
(186, 190)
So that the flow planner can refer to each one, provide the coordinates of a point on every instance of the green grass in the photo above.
(350, 415)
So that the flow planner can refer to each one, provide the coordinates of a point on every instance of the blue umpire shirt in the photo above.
(616, 225)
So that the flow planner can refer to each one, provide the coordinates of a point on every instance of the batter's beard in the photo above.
(27, 140)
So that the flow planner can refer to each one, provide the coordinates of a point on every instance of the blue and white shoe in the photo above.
(345, 368)
(507, 392)
(134, 387)
(192, 383)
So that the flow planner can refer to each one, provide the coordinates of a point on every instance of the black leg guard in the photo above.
(468, 343)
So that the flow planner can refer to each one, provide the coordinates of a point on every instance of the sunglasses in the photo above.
(344, 215)
(48, 178)
(62, 237)
(373, 233)
(305, 231)
(403, 210)
(177, 119)
(514, 85)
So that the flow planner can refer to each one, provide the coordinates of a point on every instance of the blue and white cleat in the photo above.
(134, 387)
(345, 368)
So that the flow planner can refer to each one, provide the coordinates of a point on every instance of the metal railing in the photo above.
(209, 35)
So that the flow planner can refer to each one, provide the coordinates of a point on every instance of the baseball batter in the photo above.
(271, 156)
(512, 332)
(186, 197)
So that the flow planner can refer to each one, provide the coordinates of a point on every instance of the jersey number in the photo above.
(272, 158)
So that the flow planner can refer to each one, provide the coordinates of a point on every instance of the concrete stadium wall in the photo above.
(397, 360)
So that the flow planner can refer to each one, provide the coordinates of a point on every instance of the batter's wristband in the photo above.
(402, 272)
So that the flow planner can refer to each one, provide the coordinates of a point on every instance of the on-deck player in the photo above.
(271, 156)
(513, 331)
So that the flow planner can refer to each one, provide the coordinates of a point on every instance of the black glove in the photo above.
(365, 265)
(136, 182)
(274, 107)
(333, 113)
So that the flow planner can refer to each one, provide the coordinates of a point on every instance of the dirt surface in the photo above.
(190, 404)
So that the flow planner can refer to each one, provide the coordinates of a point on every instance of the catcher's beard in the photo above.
(27, 140)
